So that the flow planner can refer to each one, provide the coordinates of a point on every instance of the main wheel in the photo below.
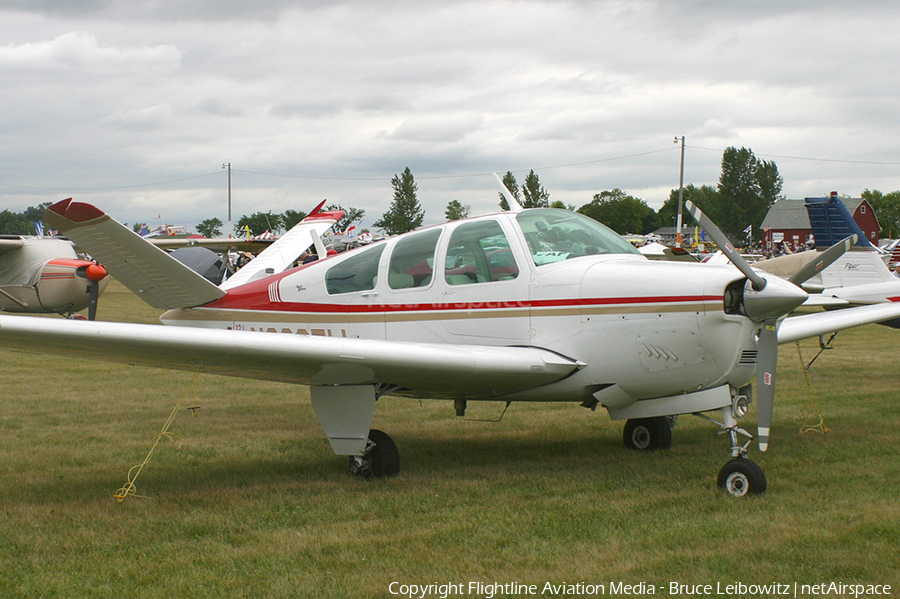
(741, 477)
(647, 433)
(380, 459)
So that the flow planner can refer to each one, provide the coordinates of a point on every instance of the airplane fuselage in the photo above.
(652, 329)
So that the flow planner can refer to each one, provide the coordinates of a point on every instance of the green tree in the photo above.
(887, 210)
(22, 223)
(535, 196)
(509, 181)
(621, 212)
(291, 217)
(14, 223)
(705, 197)
(351, 215)
(456, 211)
(211, 227)
(260, 222)
(36, 213)
(747, 189)
(405, 213)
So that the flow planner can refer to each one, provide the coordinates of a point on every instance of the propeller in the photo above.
(764, 302)
(94, 273)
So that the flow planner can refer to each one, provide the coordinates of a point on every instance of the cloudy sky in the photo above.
(135, 106)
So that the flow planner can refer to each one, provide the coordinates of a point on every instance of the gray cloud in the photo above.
(332, 99)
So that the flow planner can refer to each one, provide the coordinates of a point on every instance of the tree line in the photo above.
(747, 188)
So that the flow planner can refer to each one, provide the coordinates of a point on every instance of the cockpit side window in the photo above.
(356, 273)
(555, 235)
(412, 261)
(479, 252)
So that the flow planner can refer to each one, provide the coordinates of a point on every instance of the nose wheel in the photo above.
(741, 477)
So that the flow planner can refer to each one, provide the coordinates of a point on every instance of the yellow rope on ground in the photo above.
(810, 418)
(129, 490)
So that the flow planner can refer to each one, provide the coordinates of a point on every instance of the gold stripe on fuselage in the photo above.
(267, 316)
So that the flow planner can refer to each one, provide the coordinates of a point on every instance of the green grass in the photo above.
(254, 504)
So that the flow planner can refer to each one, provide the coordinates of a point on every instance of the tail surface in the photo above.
(153, 275)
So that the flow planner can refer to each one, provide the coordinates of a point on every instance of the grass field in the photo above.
(253, 503)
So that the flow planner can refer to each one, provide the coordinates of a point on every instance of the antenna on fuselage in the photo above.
(510, 199)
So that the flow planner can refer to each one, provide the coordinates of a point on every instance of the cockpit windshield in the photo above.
(555, 235)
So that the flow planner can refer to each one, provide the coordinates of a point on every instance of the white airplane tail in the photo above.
(281, 255)
(149, 272)
(863, 264)
(156, 277)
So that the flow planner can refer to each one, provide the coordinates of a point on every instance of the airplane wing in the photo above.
(805, 326)
(281, 255)
(432, 370)
(153, 275)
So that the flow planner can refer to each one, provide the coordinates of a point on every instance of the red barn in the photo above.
(788, 222)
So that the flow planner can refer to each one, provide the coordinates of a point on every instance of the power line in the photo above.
(461, 176)
(67, 189)
(807, 158)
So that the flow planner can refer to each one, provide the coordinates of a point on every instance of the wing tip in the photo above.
(76, 212)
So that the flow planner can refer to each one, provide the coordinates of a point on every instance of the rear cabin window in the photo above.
(357, 273)
(412, 261)
(479, 252)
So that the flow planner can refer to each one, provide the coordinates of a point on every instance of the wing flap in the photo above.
(153, 275)
(449, 371)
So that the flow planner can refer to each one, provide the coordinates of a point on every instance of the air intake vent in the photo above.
(748, 357)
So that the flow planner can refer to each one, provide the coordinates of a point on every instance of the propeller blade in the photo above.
(766, 366)
(721, 240)
(94, 273)
(823, 261)
(92, 305)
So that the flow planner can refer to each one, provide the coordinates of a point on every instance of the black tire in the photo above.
(647, 434)
(741, 477)
(381, 459)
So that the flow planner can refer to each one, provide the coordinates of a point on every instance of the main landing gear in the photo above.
(380, 458)
(647, 433)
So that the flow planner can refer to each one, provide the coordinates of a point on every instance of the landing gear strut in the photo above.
(380, 457)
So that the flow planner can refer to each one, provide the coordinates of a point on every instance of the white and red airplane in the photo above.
(46, 275)
(526, 305)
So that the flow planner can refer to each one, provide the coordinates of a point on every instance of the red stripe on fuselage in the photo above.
(263, 303)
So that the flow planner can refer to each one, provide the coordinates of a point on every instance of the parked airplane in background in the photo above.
(526, 305)
(45, 274)
(858, 277)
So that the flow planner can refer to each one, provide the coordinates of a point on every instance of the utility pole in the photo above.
(680, 195)
(230, 228)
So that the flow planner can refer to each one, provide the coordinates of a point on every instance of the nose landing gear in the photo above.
(741, 476)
